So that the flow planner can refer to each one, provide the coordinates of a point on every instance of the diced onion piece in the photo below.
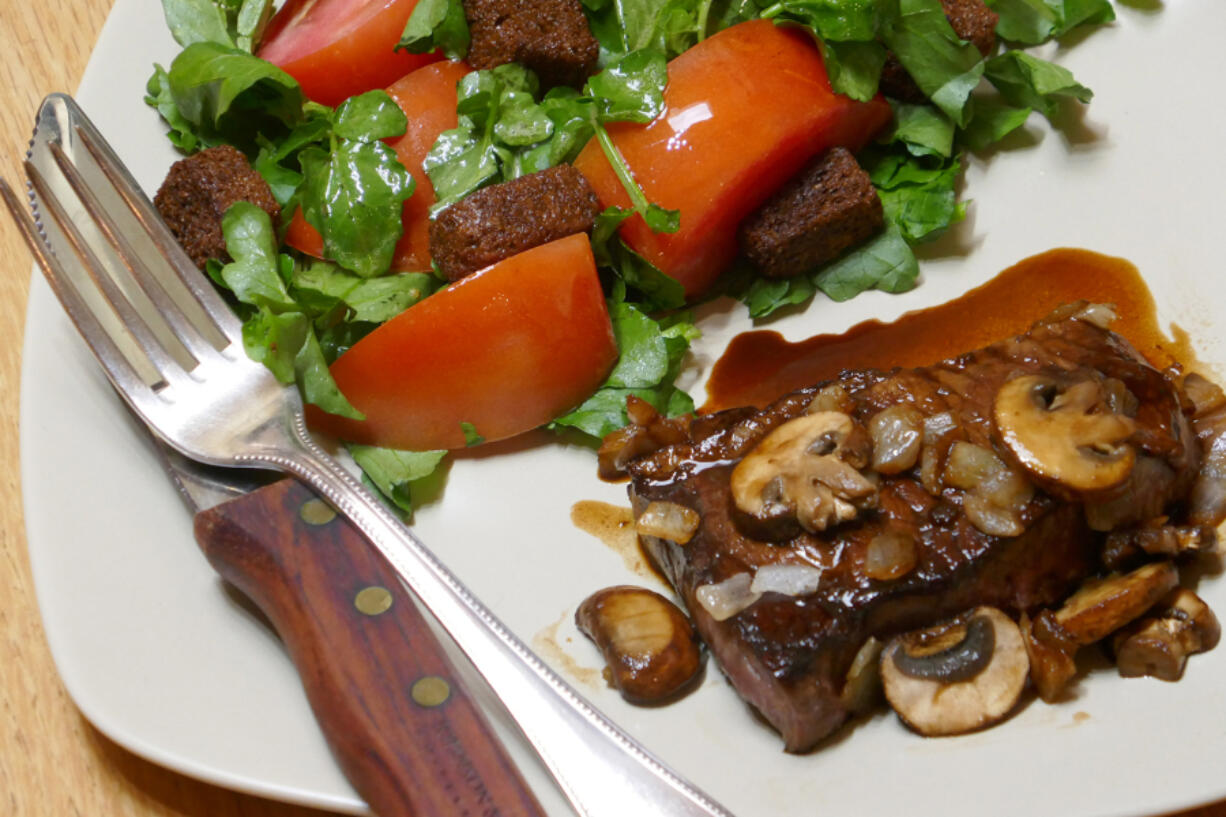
(897, 434)
(969, 465)
(889, 555)
(1101, 315)
(935, 428)
(790, 580)
(831, 398)
(1205, 396)
(668, 520)
(727, 598)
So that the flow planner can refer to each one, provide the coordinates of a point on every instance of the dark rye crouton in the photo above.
(828, 207)
(197, 192)
(551, 37)
(970, 19)
(501, 220)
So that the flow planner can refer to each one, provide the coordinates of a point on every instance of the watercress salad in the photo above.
(301, 313)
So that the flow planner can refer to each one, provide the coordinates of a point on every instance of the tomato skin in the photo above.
(338, 48)
(744, 111)
(428, 98)
(507, 349)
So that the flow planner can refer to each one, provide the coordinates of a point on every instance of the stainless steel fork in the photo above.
(173, 350)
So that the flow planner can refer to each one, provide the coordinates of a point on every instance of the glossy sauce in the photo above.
(614, 525)
(759, 366)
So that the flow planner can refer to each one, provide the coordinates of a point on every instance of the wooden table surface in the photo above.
(52, 762)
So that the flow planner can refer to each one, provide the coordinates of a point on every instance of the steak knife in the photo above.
(398, 720)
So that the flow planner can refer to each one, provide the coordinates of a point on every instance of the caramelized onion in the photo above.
(668, 520)
(897, 434)
(936, 428)
(889, 555)
(727, 598)
(1207, 499)
(996, 494)
(790, 580)
(1205, 396)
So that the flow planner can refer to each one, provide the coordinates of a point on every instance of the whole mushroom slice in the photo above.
(958, 676)
(1064, 433)
(648, 644)
(1159, 644)
(806, 471)
(1102, 606)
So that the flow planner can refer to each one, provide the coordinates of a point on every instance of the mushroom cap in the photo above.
(805, 471)
(933, 707)
(1064, 432)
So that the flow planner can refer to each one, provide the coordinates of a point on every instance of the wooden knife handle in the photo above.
(401, 725)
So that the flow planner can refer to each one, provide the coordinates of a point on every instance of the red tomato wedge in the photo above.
(338, 48)
(428, 98)
(744, 111)
(506, 349)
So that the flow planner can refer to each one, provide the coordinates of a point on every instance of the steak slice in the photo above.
(789, 655)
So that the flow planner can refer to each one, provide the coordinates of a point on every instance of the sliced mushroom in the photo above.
(1102, 606)
(1052, 663)
(1159, 644)
(648, 645)
(862, 686)
(958, 676)
(1064, 433)
(1125, 546)
(805, 471)
(668, 520)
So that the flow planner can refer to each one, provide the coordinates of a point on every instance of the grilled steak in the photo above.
(903, 498)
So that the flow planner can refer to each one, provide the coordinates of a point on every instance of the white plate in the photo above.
(161, 659)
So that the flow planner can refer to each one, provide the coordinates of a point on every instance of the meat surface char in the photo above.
(788, 656)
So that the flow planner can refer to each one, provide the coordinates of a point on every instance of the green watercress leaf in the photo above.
(437, 24)
(1026, 81)
(393, 471)
(885, 262)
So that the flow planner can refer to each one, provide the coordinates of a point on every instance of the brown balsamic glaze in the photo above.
(759, 366)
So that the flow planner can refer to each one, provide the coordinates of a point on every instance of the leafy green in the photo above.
(471, 435)
(224, 94)
(278, 162)
(923, 129)
(650, 357)
(232, 23)
(667, 26)
(1031, 22)
(276, 332)
(393, 472)
(353, 194)
(884, 263)
(492, 107)
(322, 287)
(1029, 82)
(182, 133)
(944, 67)
(918, 195)
(503, 133)
(437, 24)
(992, 119)
(657, 291)
(847, 31)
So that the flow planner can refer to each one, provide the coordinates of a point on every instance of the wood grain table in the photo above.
(52, 762)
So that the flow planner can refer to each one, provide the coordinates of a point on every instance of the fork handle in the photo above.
(600, 769)
(398, 719)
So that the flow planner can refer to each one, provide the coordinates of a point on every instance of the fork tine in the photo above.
(163, 362)
(213, 305)
(123, 373)
(195, 341)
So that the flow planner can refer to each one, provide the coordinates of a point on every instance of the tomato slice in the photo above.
(744, 111)
(338, 48)
(506, 349)
(428, 98)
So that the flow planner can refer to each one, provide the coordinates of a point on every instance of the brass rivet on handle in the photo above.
(430, 691)
(316, 512)
(373, 600)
